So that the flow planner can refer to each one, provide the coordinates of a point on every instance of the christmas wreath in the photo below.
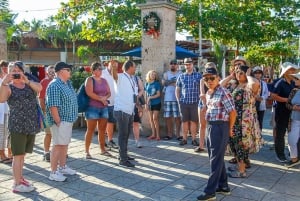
(151, 24)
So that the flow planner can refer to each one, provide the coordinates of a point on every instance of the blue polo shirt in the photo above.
(189, 85)
(63, 96)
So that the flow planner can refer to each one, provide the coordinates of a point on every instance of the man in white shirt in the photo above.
(125, 100)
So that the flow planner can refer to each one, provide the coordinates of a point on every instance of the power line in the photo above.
(38, 10)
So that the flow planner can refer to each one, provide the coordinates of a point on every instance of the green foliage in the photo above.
(83, 53)
(78, 78)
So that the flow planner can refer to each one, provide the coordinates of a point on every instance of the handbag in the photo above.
(82, 98)
(141, 99)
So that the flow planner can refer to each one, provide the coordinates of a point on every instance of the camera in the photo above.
(16, 76)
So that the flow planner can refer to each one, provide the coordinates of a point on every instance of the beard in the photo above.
(173, 69)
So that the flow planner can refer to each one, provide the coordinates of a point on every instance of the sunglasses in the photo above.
(173, 63)
(206, 79)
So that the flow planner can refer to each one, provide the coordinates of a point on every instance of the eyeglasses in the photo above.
(67, 69)
(206, 79)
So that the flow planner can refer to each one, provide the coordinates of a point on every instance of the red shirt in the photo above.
(44, 84)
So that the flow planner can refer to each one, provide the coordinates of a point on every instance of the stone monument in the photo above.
(3, 42)
(158, 42)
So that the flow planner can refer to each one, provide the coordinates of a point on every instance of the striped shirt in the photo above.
(189, 85)
(219, 105)
(63, 96)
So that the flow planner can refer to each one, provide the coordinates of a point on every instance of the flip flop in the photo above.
(88, 156)
(151, 137)
(106, 153)
(232, 161)
(6, 161)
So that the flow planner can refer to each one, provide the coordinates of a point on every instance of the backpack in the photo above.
(82, 98)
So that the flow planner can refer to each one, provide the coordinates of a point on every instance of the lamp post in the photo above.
(200, 37)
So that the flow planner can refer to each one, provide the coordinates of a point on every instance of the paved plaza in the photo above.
(164, 171)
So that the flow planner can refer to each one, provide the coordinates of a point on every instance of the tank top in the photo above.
(101, 89)
(23, 117)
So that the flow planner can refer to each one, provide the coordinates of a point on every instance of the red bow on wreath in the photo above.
(153, 33)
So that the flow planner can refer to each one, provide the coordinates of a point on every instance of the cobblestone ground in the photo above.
(164, 171)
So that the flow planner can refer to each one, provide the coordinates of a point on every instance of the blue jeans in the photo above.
(217, 139)
(124, 121)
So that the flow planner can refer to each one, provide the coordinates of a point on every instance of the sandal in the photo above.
(237, 174)
(158, 138)
(6, 161)
(232, 161)
(106, 153)
(151, 137)
(198, 149)
(88, 156)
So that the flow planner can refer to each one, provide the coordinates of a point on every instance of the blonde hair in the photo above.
(113, 71)
(149, 74)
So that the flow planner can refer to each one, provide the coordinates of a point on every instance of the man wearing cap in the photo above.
(187, 95)
(262, 96)
(62, 112)
(280, 94)
(220, 116)
(171, 109)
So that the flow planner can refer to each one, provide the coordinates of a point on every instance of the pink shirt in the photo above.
(101, 89)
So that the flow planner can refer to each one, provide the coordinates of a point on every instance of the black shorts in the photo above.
(156, 107)
(136, 117)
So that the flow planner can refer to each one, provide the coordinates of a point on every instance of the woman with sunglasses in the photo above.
(246, 133)
(23, 125)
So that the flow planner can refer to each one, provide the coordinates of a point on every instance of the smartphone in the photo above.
(16, 76)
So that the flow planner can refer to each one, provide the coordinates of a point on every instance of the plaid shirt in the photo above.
(189, 85)
(63, 96)
(219, 105)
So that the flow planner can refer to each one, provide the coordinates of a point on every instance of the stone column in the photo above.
(158, 50)
(3, 42)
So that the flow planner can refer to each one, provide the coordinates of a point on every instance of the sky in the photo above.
(38, 9)
(41, 9)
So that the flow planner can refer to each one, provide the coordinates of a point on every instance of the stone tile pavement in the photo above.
(164, 172)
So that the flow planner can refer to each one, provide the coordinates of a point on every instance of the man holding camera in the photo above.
(171, 109)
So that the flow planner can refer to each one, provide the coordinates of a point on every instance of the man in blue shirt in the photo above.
(187, 95)
(62, 112)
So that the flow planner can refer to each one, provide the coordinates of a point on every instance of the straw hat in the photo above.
(239, 58)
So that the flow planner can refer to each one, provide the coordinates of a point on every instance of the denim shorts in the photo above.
(96, 113)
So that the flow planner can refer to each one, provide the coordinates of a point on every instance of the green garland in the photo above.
(156, 26)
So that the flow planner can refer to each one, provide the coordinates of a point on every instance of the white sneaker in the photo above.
(22, 188)
(138, 144)
(67, 170)
(57, 176)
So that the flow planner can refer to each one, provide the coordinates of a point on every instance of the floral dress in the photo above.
(246, 132)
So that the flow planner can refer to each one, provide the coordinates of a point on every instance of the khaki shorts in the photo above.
(61, 135)
(21, 144)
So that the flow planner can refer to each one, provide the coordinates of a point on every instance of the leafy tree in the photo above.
(239, 23)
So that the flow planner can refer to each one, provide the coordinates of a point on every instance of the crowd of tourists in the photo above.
(230, 114)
